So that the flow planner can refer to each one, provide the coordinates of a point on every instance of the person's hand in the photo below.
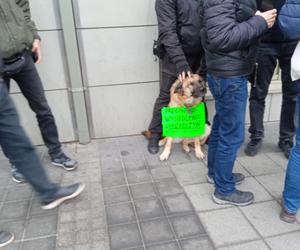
(269, 16)
(37, 50)
(183, 75)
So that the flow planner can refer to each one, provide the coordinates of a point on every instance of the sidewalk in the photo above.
(134, 201)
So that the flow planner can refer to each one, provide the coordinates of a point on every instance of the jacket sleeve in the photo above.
(167, 27)
(225, 33)
(24, 5)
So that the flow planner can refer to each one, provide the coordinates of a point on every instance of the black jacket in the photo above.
(274, 35)
(1, 66)
(179, 30)
(229, 36)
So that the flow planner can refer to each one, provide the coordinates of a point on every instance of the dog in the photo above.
(189, 92)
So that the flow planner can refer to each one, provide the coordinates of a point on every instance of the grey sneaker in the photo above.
(238, 178)
(61, 160)
(253, 147)
(237, 198)
(287, 216)
(16, 175)
(6, 238)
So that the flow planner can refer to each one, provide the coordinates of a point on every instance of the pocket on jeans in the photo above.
(214, 86)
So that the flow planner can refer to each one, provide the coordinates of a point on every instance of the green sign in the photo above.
(183, 122)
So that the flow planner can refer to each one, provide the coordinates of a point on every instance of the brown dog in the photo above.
(187, 93)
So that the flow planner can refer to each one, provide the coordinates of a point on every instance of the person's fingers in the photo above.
(189, 73)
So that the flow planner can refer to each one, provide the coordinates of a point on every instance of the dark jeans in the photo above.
(31, 86)
(267, 60)
(168, 77)
(228, 128)
(18, 148)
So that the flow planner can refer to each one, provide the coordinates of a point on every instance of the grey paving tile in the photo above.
(268, 181)
(141, 191)
(197, 243)
(13, 246)
(278, 158)
(260, 194)
(20, 192)
(41, 226)
(15, 227)
(120, 213)
(259, 165)
(229, 232)
(136, 163)
(164, 246)
(14, 210)
(138, 176)
(169, 187)
(65, 239)
(124, 236)
(161, 173)
(153, 161)
(114, 195)
(177, 204)
(238, 168)
(147, 209)
(186, 226)
(4, 179)
(265, 218)
(287, 242)
(156, 230)
(200, 196)
(67, 216)
(190, 173)
(45, 244)
(113, 179)
(82, 237)
(111, 165)
(257, 245)
(36, 209)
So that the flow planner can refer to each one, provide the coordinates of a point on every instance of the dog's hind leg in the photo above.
(185, 145)
(167, 150)
(199, 153)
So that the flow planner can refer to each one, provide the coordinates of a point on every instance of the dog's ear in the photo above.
(179, 88)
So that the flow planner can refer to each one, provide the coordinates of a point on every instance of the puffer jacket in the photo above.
(179, 30)
(17, 31)
(230, 31)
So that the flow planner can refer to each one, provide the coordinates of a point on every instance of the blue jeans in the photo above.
(18, 149)
(228, 129)
(291, 192)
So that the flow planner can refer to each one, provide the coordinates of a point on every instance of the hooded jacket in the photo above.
(17, 30)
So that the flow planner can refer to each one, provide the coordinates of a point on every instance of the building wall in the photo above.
(119, 71)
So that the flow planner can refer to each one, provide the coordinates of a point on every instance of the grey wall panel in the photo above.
(61, 109)
(275, 107)
(103, 13)
(45, 14)
(122, 110)
(119, 55)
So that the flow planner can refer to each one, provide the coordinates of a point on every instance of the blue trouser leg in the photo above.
(228, 129)
(291, 193)
(18, 148)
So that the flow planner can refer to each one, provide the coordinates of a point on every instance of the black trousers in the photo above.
(31, 87)
(18, 148)
(267, 57)
(168, 77)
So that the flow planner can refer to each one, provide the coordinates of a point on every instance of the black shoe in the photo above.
(253, 147)
(6, 238)
(287, 216)
(63, 161)
(237, 198)
(286, 147)
(16, 175)
(238, 178)
(63, 194)
(153, 146)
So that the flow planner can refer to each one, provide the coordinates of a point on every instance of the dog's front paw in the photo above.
(164, 156)
(186, 148)
(200, 155)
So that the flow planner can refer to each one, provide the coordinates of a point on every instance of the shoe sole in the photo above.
(223, 202)
(17, 181)
(212, 182)
(63, 166)
(8, 242)
(57, 202)
(287, 219)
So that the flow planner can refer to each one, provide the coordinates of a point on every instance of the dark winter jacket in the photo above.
(179, 30)
(17, 31)
(229, 36)
(274, 35)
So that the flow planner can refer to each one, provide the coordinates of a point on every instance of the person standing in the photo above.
(179, 37)
(230, 30)
(21, 48)
(274, 46)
